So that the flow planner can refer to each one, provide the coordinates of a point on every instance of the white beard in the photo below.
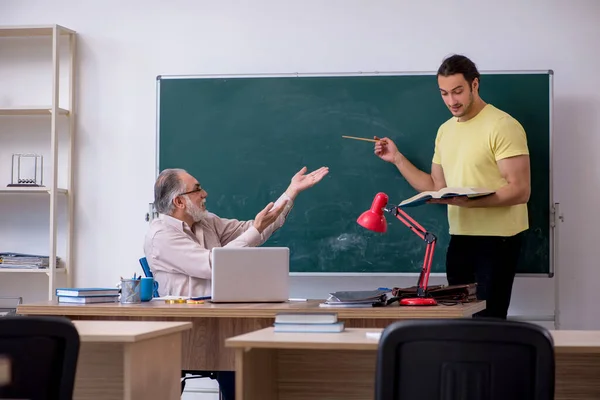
(194, 211)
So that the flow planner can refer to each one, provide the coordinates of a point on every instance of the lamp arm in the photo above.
(427, 237)
(413, 225)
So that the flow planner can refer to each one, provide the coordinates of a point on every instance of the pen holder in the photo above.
(130, 291)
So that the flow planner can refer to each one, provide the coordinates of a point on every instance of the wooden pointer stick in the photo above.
(358, 138)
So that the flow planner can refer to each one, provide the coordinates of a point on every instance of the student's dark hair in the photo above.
(459, 64)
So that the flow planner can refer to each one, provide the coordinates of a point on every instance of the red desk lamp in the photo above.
(374, 220)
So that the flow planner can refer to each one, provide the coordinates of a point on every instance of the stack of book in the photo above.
(25, 261)
(87, 295)
(307, 322)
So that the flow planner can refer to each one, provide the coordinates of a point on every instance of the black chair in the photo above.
(464, 359)
(43, 354)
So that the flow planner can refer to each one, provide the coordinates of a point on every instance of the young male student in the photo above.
(479, 146)
(178, 243)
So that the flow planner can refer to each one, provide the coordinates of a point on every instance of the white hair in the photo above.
(168, 186)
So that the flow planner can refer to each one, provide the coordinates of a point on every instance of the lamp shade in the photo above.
(373, 219)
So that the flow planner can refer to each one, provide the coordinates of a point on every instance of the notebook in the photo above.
(250, 274)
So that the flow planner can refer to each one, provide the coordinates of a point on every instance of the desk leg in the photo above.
(281, 374)
(99, 372)
(255, 374)
(5, 371)
(149, 370)
(153, 368)
(577, 376)
(326, 374)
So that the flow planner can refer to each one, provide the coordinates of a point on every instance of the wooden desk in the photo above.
(277, 366)
(128, 360)
(204, 347)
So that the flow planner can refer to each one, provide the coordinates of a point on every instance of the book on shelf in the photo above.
(25, 261)
(445, 193)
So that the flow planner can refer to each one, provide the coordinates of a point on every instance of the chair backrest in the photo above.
(43, 353)
(465, 359)
(145, 267)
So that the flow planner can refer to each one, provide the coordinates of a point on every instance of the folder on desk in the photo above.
(357, 298)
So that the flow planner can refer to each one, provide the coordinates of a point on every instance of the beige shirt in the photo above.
(179, 256)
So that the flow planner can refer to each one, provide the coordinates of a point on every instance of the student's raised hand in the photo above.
(302, 181)
(386, 149)
(267, 216)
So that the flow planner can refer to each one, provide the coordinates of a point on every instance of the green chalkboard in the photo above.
(244, 137)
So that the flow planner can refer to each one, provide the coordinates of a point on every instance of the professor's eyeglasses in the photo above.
(191, 191)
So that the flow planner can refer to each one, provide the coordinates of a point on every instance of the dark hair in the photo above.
(459, 64)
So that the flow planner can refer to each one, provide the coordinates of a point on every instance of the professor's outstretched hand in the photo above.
(268, 215)
(302, 181)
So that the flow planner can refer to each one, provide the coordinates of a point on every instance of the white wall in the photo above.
(124, 45)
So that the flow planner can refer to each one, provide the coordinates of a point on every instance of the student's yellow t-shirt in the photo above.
(468, 153)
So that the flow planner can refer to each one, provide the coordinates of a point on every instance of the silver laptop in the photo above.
(250, 274)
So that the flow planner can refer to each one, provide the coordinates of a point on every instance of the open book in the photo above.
(444, 193)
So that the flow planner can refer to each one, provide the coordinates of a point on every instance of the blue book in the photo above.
(88, 299)
(84, 292)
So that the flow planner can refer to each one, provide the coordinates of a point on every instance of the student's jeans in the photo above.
(491, 262)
